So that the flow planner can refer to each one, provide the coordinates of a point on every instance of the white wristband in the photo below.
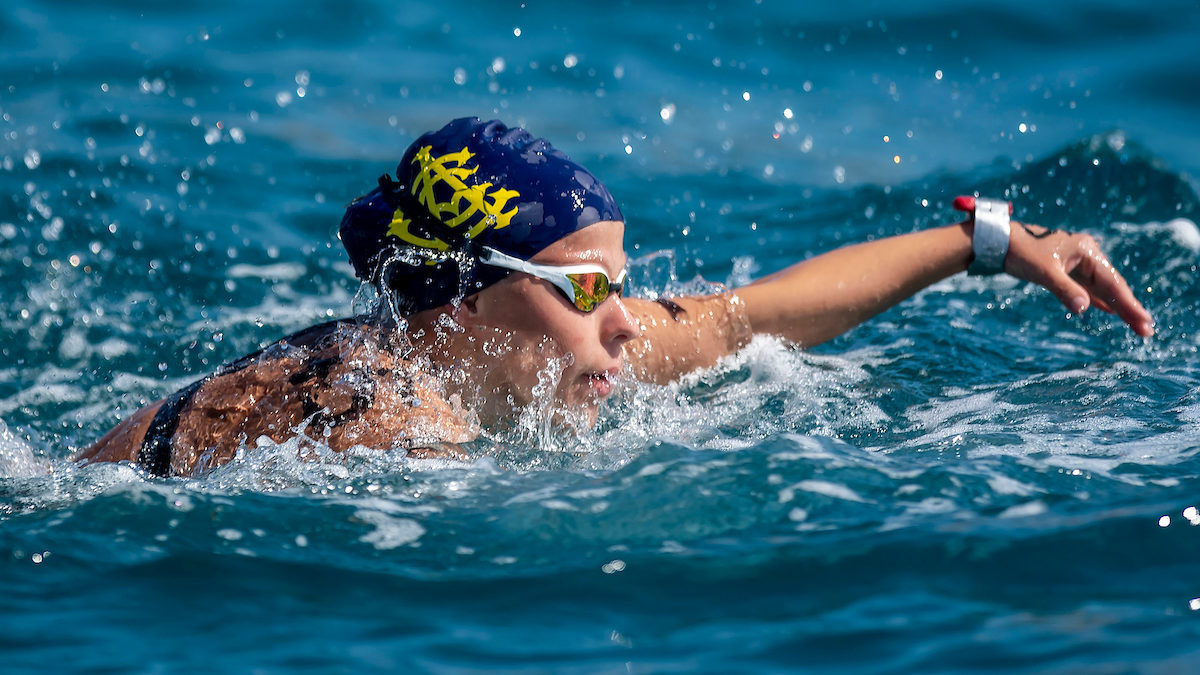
(990, 241)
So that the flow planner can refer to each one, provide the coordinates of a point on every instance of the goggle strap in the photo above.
(491, 256)
(559, 278)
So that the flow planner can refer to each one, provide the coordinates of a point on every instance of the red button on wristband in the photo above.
(967, 203)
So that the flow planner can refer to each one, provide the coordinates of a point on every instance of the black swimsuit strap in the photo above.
(157, 448)
(155, 455)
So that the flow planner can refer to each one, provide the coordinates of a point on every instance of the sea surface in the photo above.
(973, 481)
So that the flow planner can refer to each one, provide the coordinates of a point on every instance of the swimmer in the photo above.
(500, 265)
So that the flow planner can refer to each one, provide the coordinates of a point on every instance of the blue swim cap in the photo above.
(467, 185)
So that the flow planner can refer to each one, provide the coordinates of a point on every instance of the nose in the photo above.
(618, 325)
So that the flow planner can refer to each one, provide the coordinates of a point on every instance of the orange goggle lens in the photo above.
(593, 288)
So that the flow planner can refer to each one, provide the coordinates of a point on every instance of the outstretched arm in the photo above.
(818, 299)
(821, 298)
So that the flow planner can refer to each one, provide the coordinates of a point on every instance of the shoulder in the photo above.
(342, 388)
(400, 405)
(274, 392)
(683, 334)
(342, 384)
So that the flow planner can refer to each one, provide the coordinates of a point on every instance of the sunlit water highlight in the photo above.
(974, 480)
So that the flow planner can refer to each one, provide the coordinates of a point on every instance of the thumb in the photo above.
(1072, 295)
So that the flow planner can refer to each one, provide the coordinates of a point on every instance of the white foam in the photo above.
(283, 271)
(1007, 486)
(533, 496)
(389, 532)
(821, 487)
(1185, 233)
(935, 415)
(814, 393)
(916, 512)
(388, 506)
(1033, 508)
(16, 457)
(1190, 413)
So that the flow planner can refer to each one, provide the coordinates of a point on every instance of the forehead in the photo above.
(601, 243)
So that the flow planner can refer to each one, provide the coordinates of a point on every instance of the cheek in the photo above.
(539, 326)
(545, 321)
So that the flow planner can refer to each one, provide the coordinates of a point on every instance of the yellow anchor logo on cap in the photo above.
(478, 207)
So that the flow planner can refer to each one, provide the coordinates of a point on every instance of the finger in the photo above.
(1106, 285)
(1097, 302)
(1102, 305)
(1070, 293)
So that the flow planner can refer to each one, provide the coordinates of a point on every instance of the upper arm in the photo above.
(694, 333)
(124, 441)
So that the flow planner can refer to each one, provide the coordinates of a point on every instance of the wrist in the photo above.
(990, 232)
(966, 255)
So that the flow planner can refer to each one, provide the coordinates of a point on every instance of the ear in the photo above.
(466, 312)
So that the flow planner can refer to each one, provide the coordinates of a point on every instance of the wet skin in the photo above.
(526, 324)
(497, 342)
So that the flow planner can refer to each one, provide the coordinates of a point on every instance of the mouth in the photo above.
(600, 382)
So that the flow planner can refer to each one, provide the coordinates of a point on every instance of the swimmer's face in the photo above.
(530, 323)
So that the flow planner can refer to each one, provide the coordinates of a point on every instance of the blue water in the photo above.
(972, 481)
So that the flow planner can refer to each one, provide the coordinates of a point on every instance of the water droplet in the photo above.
(613, 566)
(1192, 515)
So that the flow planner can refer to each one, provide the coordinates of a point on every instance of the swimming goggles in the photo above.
(586, 285)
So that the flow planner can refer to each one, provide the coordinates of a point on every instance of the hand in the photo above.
(1072, 267)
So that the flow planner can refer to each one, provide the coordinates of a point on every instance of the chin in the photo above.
(590, 413)
(579, 406)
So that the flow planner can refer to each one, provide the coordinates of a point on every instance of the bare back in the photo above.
(336, 383)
